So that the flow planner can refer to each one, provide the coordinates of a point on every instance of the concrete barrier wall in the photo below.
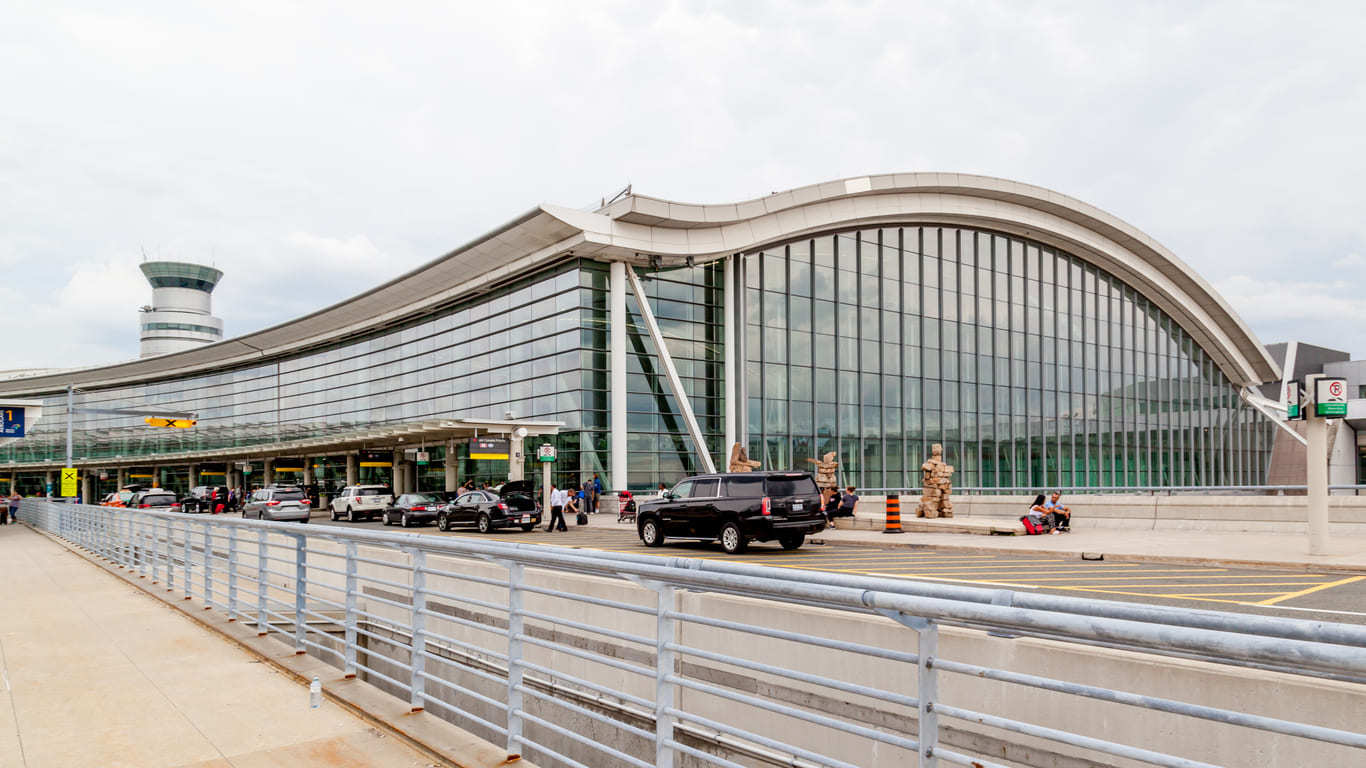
(1229, 514)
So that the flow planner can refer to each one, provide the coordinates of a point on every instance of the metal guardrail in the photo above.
(585, 658)
(1135, 490)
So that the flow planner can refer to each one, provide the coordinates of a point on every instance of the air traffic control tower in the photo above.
(180, 316)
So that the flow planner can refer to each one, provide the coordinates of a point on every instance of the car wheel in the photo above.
(650, 533)
(384, 518)
(404, 520)
(732, 540)
(529, 527)
(442, 523)
(350, 514)
(332, 513)
(485, 524)
(791, 542)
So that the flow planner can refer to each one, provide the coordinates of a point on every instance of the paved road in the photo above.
(1328, 597)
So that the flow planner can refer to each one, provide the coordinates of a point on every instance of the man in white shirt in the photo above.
(558, 498)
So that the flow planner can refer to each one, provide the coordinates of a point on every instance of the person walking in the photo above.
(558, 499)
(588, 497)
(13, 507)
(597, 490)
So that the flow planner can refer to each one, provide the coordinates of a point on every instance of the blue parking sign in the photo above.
(11, 421)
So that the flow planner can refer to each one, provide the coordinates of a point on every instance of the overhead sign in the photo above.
(1294, 400)
(545, 453)
(284, 464)
(177, 423)
(70, 483)
(11, 421)
(423, 458)
(377, 458)
(489, 448)
(1330, 398)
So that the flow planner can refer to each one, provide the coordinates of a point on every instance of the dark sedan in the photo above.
(487, 510)
(412, 508)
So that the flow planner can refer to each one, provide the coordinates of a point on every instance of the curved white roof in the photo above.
(634, 228)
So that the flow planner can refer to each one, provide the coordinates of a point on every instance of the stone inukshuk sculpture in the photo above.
(825, 470)
(937, 486)
(739, 459)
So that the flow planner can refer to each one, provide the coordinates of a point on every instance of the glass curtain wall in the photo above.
(1031, 367)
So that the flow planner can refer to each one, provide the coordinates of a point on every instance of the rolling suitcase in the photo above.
(582, 518)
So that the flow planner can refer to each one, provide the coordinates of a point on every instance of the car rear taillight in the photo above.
(502, 506)
(419, 509)
(272, 503)
(764, 508)
(144, 506)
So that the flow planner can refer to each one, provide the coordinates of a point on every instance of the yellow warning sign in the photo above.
(70, 482)
(177, 423)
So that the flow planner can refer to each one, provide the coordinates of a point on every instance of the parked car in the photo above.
(283, 503)
(412, 508)
(735, 508)
(512, 505)
(155, 498)
(361, 501)
(203, 498)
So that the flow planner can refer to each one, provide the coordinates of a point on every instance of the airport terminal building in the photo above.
(1043, 342)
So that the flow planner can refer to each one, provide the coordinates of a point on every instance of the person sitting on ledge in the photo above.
(1062, 514)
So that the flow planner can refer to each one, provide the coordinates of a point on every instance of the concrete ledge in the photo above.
(444, 742)
(979, 526)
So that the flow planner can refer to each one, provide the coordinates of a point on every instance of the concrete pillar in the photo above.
(352, 469)
(452, 482)
(516, 458)
(400, 473)
(122, 476)
(268, 474)
(194, 475)
(51, 484)
(617, 374)
(88, 488)
(731, 408)
(308, 470)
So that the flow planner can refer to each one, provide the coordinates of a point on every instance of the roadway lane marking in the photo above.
(1308, 610)
(955, 581)
(1311, 590)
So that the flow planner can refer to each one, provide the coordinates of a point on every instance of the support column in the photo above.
(516, 459)
(193, 475)
(617, 341)
(122, 474)
(308, 470)
(400, 472)
(268, 473)
(352, 469)
(732, 406)
(1316, 465)
(452, 482)
(88, 488)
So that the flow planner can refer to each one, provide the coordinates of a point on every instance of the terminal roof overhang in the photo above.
(640, 230)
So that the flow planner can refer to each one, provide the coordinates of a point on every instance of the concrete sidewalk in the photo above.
(1290, 551)
(97, 673)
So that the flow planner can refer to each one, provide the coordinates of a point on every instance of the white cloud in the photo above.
(311, 150)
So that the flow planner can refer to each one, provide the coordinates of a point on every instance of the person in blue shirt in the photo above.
(1061, 512)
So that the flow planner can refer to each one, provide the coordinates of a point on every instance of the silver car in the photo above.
(283, 503)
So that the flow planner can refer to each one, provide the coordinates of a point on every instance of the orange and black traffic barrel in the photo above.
(893, 513)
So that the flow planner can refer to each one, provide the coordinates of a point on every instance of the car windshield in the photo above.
(292, 494)
(792, 485)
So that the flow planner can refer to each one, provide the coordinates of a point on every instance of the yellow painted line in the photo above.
(1311, 590)
(1148, 594)
(956, 581)
(1190, 578)
(1221, 594)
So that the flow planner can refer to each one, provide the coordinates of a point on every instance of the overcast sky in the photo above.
(310, 150)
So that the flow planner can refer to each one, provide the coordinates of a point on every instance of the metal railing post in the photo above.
(185, 558)
(417, 660)
(232, 574)
(262, 583)
(516, 626)
(349, 665)
(928, 693)
(208, 569)
(170, 566)
(665, 630)
(300, 590)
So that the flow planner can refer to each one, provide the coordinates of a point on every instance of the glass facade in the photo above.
(1031, 367)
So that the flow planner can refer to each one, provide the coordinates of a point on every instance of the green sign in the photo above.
(1330, 398)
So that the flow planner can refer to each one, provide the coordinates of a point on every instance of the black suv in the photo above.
(736, 508)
